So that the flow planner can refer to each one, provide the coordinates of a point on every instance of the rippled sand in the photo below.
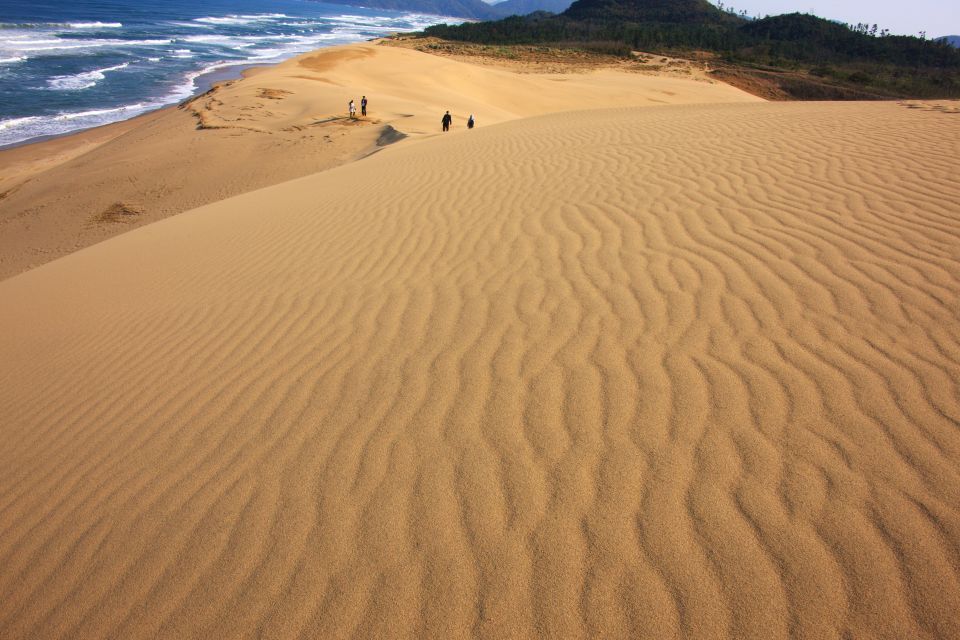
(685, 371)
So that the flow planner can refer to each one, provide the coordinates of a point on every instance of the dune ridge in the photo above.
(684, 371)
(276, 124)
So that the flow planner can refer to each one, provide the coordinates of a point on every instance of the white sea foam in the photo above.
(95, 25)
(16, 130)
(13, 60)
(214, 40)
(352, 19)
(191, 24)
(19, 47)
(85, 80)
(98, 113)
(13, 123)
(61, 25)
(240, 19)
(188, 87)
(21, 41)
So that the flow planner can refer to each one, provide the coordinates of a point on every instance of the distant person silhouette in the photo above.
(447, 119)
(363, 106)
(352, 108)
(471, 122)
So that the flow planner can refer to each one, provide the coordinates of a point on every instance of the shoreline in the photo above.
(203, 84)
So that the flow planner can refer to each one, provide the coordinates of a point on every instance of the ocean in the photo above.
(66, 66)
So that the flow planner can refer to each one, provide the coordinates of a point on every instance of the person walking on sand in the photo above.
(363, 106)
(471, 122)
(352, 108)
(447, 119)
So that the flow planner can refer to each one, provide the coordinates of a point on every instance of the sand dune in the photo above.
(688, 371)
(279, 123)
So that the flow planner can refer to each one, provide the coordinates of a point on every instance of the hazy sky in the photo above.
(936, 17)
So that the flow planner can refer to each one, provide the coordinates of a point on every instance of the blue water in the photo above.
(69, 65)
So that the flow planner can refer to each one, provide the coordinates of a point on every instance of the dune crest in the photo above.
(672, 372)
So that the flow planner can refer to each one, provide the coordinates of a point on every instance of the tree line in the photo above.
(888, 65)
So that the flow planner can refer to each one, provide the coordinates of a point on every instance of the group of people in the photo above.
(446, 121)
(352, 108)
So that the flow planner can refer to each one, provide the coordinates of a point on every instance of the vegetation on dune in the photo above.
(806, 56)
(675, 11)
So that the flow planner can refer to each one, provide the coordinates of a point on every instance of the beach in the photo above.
(642, 355)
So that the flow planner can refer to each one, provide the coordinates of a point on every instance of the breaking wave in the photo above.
(57, 76)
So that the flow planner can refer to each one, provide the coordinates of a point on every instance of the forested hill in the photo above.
(806, 38)
(665, 11)
(806, 56)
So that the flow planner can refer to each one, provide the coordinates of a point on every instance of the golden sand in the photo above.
(671, 372)
(279, 123)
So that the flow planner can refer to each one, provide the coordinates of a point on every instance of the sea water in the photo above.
(67, 65)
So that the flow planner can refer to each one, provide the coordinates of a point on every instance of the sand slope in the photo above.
(671, 372)
(279, 123)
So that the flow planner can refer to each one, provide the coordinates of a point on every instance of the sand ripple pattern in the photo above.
(681, 372)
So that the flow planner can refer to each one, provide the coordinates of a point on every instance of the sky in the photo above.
(936, 17)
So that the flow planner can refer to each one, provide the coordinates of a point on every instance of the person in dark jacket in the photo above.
(363, 106)
(447, 119)
(471, 122)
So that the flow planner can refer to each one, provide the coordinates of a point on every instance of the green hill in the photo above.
(794, 55)
(663, 11)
